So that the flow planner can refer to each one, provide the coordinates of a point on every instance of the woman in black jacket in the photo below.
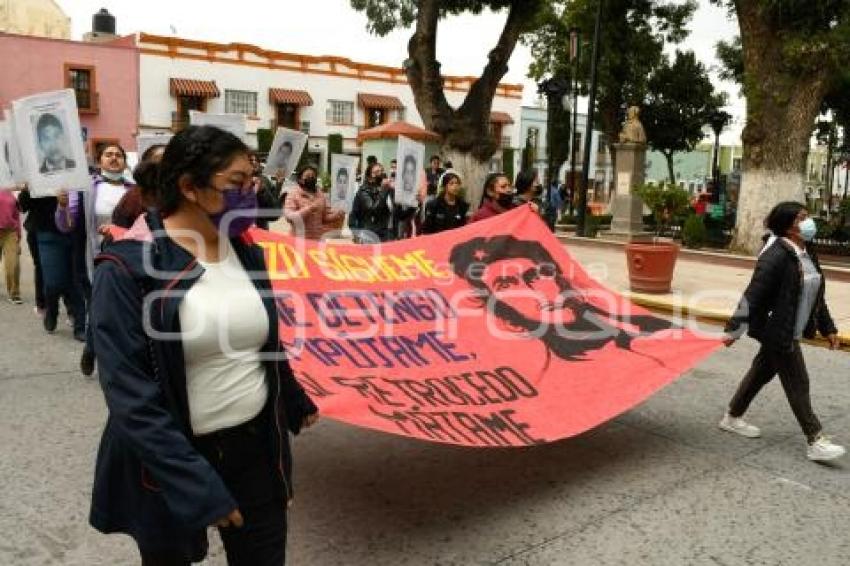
(784, 303)
(448, 210)
(201, 398)
(371, 217)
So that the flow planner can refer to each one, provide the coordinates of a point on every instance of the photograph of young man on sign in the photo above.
(285, 152)
(52, 143)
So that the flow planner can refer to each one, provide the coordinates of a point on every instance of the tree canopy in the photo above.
(680, 101)
(634, 33)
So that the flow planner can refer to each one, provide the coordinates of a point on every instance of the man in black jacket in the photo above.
(784, 303)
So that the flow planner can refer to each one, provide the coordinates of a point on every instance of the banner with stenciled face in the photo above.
(488, 335)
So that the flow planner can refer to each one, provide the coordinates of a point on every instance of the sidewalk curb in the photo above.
(834, 273)
(711, 316)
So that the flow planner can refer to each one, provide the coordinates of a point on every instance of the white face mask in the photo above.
(808, 229)
(112, 176)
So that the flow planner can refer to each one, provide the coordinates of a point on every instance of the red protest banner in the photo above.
(489, 335)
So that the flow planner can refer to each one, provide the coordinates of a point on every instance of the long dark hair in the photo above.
(489, 183)
(199, 152)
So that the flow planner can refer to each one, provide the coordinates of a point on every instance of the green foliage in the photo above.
(508, 162)
(694, 232)
(386, 16)
(334, 146)
(666, 201)
(264, 140)
(680, 100)
(634, 33)
(731, 56)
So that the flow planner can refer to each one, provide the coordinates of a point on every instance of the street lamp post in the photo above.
(556, 90)
(591, 103)
(718, 120)
(574, 55)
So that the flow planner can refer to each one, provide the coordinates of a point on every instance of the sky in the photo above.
(332, 27)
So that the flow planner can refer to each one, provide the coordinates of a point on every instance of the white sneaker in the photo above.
(823, 449)
(739, 426)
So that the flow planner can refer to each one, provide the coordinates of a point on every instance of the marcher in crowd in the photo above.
(528, 190)
(55, 257)
(86, 218)
(448, 210)
(371, 217)
(783, 304)
(199, 412)
(433, 173)
(498, 197)
(143, 195)
(10, 245)
(268, 195)
(308, 210)
(553, 202)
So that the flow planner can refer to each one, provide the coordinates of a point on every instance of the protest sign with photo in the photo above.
(233, 123)
(343, 180)
(146, 141)
(410, 158)
(49, 138)
(420, 337)
(286, 150)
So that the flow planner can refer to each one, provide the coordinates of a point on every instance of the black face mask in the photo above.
(505, 200)
(309, 184)
(376, 181)
(538, 190)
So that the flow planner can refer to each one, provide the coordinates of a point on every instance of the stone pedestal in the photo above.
(626, 207)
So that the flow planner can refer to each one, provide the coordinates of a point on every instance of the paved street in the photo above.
(659, 485)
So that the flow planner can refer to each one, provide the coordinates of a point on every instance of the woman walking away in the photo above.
(784, 303)
(200, 394)
(449, 209)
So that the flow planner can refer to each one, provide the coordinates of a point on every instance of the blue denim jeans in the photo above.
(56, 253)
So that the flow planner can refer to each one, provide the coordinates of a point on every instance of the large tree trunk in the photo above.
(782, 104)
(465, 131)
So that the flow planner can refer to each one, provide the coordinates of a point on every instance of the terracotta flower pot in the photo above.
(651, 266)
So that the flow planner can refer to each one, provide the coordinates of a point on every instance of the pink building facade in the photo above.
(105, 77)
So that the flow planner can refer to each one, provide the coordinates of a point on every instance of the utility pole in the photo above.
(591, 103)
(574, 59)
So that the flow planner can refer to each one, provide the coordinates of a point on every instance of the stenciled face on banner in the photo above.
(52, 148)
(520, 284)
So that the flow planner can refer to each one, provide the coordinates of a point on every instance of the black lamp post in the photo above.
(718, 120)
(575, 38)
(591, 103)
(556, 90)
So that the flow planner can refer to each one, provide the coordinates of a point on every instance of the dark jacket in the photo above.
(371, 212)
(40, 212)
(441, 216)
(489, 208)
(150, 481)
(269, 203)
(768, 308)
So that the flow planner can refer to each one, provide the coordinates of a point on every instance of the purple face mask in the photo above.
(242, 206)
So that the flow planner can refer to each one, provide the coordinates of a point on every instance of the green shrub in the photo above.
(666, 201)
(694, 232)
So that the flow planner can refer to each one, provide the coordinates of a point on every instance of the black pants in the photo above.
(795, 381)
(32, 242)
(242, 456)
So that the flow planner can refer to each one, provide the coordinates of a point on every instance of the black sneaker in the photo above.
(87, 363)
(49, 321)
(80, 335)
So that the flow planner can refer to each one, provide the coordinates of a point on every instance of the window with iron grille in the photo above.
(340, 112)
(240, 102)
(305, 127)
(80, 80)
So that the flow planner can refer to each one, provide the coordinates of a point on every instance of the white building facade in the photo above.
(533, 132)
(318, 95)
